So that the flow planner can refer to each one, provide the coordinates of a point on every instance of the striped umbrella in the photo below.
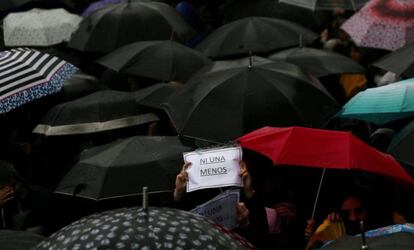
(26, 75)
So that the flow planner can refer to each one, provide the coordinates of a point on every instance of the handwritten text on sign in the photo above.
(217, 167)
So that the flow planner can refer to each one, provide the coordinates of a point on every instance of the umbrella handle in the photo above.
(317, 194)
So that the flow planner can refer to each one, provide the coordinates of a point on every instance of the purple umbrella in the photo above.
(98, 5)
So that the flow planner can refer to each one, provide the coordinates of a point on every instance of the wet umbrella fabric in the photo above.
(129, 22)
(80, 84)
(318, 62)
(385, 238)
(402, 146)
(99, 5)
(153, 96)
(327, 4)
(382, 24)
(122, 168)
(161, 60)
(253, 34)
(39, 27)
(100, 111)
(10, 4)
(26, 75)
(135, 228)
(224, 105)
(335, 150)
(400, 62)
(235, 10)
(19, 240)
(383, 104)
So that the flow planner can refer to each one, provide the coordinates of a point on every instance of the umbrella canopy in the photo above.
(94, 6)
(383, 104)
(382, 24)
(123, 167)
(318, 62)
(223, 105)
(234, 10)
(26, 75)
(19, 240)
(153, 96)
(390, 237)
(10, 4)
(100, 111)
(335, 149)
(327, 4)
(136, 228)
(129, 22)
(253, 34)
(402, 145)
(400, 62)
(39, 27)
(161, 60)
(80, 84)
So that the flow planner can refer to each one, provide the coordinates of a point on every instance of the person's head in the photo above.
(353, 212)
(353, 209)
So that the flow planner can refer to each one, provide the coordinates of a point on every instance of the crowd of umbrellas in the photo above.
(99, 78)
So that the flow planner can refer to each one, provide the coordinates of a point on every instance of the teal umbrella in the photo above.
(382, 104)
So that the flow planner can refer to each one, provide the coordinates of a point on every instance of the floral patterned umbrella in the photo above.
(383, 24)
(136, 228)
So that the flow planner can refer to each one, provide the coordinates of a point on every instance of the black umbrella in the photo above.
(236, 9)
(138, 228)
(402, 147)
(400, 62)
(80, 84)
(122, 168)
(18, 240)
(161, 60)
(153, 96)
(223, 105)
(116, 25)
(327, 4)
(10, 4)
(318, 62)
(100, 111)
(254, 34)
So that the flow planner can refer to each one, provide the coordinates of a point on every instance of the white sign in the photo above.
(221, 209)
(219, 167)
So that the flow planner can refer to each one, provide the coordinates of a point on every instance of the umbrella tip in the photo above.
(145, 198)
(300, 41)
(364, 245)
(250, 61)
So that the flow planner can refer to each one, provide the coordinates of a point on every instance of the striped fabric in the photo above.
(26, 75)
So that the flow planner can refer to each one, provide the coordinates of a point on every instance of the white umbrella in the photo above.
(39, 27)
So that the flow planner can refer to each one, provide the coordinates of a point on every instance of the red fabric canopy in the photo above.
(319, 148)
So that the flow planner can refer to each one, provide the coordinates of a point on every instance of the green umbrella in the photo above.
(382, 104)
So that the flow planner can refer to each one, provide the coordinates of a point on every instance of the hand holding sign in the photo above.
(213, 168)
(181, 182)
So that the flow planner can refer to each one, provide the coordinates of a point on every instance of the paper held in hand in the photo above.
(217, 167)
(221, 209)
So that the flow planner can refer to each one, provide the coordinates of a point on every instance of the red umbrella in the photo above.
(319, 148)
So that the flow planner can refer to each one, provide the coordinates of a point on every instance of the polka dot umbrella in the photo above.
(138, 228)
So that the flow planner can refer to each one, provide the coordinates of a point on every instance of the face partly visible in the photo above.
(353, 209)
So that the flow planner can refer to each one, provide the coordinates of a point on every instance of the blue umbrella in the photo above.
(98, 5)
(382, 104)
